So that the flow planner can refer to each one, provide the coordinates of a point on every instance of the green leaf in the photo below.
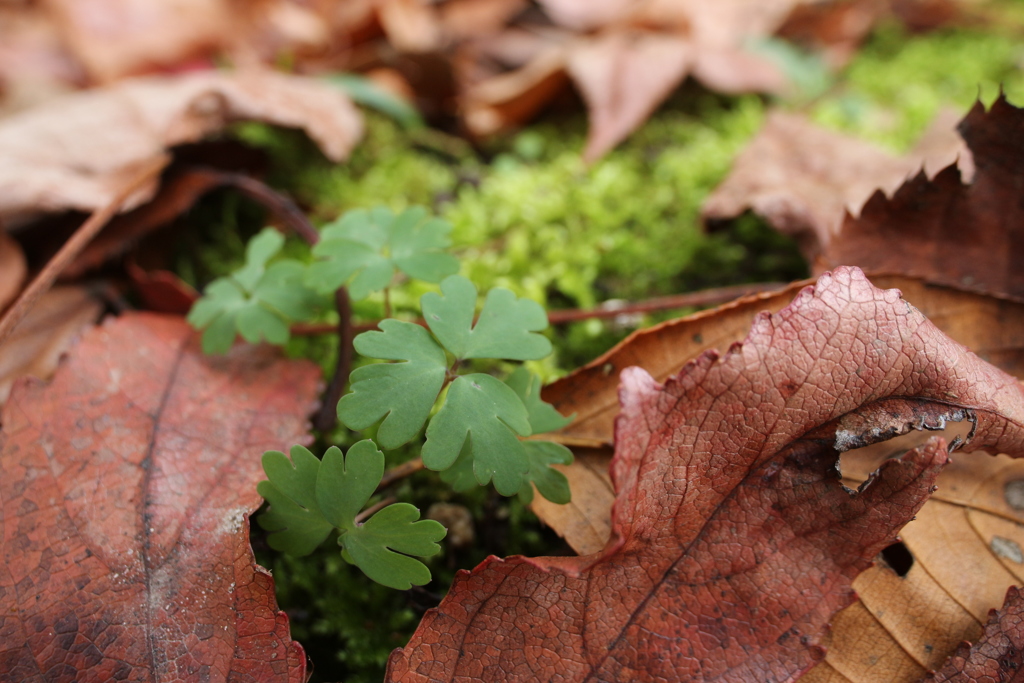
(551, 483)
(260, 249)
(364, 91)
(294, 520)
(460, 475)
(256, 301)
(381, 547)
(543, 416)
(347, 482)
(363, 249)
(404, 392)
(484, 411)
(506, 327)
(308, 498)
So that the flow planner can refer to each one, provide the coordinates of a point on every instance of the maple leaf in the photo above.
(924, 219)
(126, 484)
(733, 541)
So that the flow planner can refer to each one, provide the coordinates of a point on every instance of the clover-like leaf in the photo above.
(543, 416)
(506, 328)
(294, 520)
(404, 392)
(308, 498)
(364, 248)
(487, 413)
(346, 482)
(551, 483)
(256, 301)
(382, 546)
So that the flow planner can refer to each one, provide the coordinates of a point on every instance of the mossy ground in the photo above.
(530, 216)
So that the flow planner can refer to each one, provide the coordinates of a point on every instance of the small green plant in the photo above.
(310, 498)
(476, 428)
(255, 301)
(476, 425)
(363, 250)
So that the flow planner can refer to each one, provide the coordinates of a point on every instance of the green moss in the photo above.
(897, 84)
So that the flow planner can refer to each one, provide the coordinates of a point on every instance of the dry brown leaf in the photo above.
(991, 327)
(734, 544)
(945, 230)
(410, 25)
(115, 38)
(34, 66)
(36, 345)
(999, 655)
(966, 543)
(965, 552)
(803, 178)
(623, 77)
(467, 19)
(73, 152)
(13, 269)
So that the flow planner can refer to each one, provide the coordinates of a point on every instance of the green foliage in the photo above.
(506, 328)
(476, 430)
(310, 498)
(363, 249)
(256, 301)
(404, 392)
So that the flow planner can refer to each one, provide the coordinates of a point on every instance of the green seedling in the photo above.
(256, 301)
(310, 498)
(363, 250)
(478, 426)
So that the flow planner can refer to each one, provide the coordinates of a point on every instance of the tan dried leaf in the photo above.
(74, 152)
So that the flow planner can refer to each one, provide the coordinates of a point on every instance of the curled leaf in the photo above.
(734, 542)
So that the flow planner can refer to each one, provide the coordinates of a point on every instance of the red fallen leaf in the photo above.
(125, 485)
(920, 230)
(998, 656)
(161, 290)
(733, 541)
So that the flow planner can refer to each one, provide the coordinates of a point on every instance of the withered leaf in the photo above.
(992, 327)
(126, 484)
(44, 335)
(74, 152)
(733, 541)
(998, 655)
(945, 230)
(803, 178)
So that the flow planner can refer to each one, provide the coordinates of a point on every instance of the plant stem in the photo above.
(285, 208)
(368, 512)
(387, 302)
(327, 416)
(706, 297)
(399, 472)
(145, 173)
